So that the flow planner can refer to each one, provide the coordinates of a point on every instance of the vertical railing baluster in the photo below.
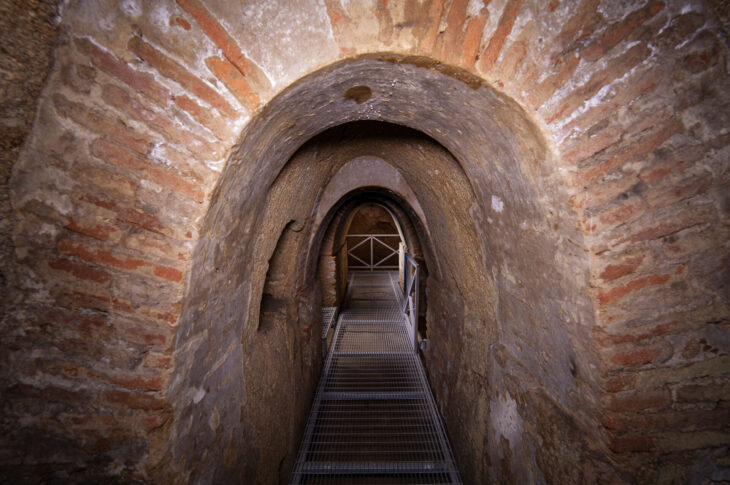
(371, 253)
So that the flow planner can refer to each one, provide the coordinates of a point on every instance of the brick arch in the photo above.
(145, 103)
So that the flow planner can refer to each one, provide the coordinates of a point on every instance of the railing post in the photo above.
(410, 303)
(371, 253)
(415, 312)
(401, 263)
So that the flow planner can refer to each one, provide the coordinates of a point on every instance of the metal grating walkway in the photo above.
(373, 419)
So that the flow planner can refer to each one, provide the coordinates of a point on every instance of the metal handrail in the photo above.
(410, 296)
(372, 239)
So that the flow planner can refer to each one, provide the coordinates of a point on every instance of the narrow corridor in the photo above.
(374, 419)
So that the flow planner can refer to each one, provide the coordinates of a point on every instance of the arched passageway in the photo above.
(478, 183)
(562, 164)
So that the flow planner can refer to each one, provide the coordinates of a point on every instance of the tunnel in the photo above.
(188, 187)
(466, 172)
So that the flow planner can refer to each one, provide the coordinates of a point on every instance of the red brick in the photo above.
(337, 15)
(139, 81)
(92, 421)
(81, 271)
(579, 25)
(639, 356)
(154, 421)
(138, 382)
(630, 443)
(703, 393)
(202, 115)
(603, 193)
(659, 171)
(635, 86)
(48, 393)
(681, 28)
(504, 28)
(100, 256)
(225, 42)
(663, 195)
(678, 220)
(148, 337)
(619, 31)
(172, 70)
(188, 166)
(234, 81)
(127, 159)
(450, 38)
(590, 144)
(627, 266)
(116, 155)
(656, 331)
(543, 91)
(90, 227)
(156, 335)
(515, 56)
(472, 39)
(157, 246)
(145, 220)
(706, 49)
(646, 144)
(621, 382)
(385, 21)
(84, 321)
(614, 69)
(633, 401)
(176, 183)
(119, 186)
(617, 215)
(122, 100)
(122, 305)
(614, 294)
(103, 202)
(430, 28)
(134, 400)
(157, 361)
(692, 440)
(694, 241)
(77, 299)
(168, 273)
(667, 420)
(98, 123)
(107, 258)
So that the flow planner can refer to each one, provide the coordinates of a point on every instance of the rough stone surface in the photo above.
(158, 302)
(29, 33)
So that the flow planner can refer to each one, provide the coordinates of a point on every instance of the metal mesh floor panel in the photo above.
(373, 419)
(394, 479)
(372, 338)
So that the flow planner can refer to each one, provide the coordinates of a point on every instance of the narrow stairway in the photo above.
(373, 419)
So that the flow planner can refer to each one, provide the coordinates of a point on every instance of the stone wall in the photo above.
(29, 31)
(593, 136)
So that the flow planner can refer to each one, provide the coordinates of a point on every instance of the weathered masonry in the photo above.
(177, 179)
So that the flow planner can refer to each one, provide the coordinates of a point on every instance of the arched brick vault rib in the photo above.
(146, 100)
